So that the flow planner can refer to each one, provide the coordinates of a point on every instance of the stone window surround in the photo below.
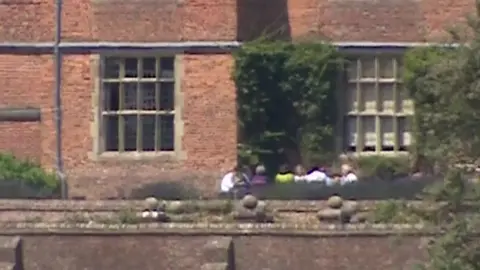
(97, 130)
(343, 111)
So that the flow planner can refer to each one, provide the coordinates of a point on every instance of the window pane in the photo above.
(148, 133)
(131, 67)
(404, 103)
(369, 100)
(351, 132)
(110, 124)
(352, 102)
(167, 68)
(399, 68)
(130, 96)
(387, 99)
(149, 68)
(367, 67)
(111, 68)
(388, 136)
(166, 124)
(130, 132)
(167, 100)
(369, 134)
(110, 96)
(386, 67)
(352, 69)
(404, 136)
(148, 96)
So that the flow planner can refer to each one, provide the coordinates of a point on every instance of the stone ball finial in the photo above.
(151, 203)
(249, 202)
(335, 202)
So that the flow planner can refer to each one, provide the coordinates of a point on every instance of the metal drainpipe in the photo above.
(58, 98)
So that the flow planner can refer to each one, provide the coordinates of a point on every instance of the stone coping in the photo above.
(116, 205)
(204, 229)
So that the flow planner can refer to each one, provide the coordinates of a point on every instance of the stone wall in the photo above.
(36, 236)
(60, 247)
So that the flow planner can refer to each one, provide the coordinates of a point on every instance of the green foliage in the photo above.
(26, 172)
(443, 83)
(128, 216)
(286, 101)
(458, 246)
(383, 167)
(396, 212)
(421, 81)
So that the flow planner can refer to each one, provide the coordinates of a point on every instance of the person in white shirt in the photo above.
(348, 176)
(300, 173)
(317, 174)
(234, 178)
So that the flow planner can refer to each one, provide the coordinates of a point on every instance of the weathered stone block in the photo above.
(217, 250)
(349, 208)
(181, 207)
(8, 266)
(215, 266)
(329, 215)
(11, 251)
(361, 217)
(215, 206)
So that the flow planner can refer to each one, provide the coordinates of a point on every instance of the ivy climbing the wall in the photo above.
(286, 102)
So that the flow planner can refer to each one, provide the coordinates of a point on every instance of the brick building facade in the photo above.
(154, 100)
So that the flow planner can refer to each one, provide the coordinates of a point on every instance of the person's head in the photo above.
(336, 177)
(247, 170)
(299, 170)
(346, 169)
(260, 170)
(235, 169)
(284, 169)
(313, 169)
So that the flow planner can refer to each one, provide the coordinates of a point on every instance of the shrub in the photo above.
(396, 212)
(22, 178)
(383, 167)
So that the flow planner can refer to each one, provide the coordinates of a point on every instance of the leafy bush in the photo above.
(286, 101)
(383, 167)
(396, 212)
(21, 178)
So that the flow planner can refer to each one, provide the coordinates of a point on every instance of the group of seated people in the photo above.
(238, 178)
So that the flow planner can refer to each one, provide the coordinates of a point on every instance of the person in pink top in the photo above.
(260, 177)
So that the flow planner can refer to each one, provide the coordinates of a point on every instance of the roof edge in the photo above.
(187, 46)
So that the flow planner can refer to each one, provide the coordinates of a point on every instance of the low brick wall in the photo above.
(186, 246)
(51, 243)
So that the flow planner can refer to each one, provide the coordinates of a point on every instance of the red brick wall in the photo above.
(209, 94)
(81, 250)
